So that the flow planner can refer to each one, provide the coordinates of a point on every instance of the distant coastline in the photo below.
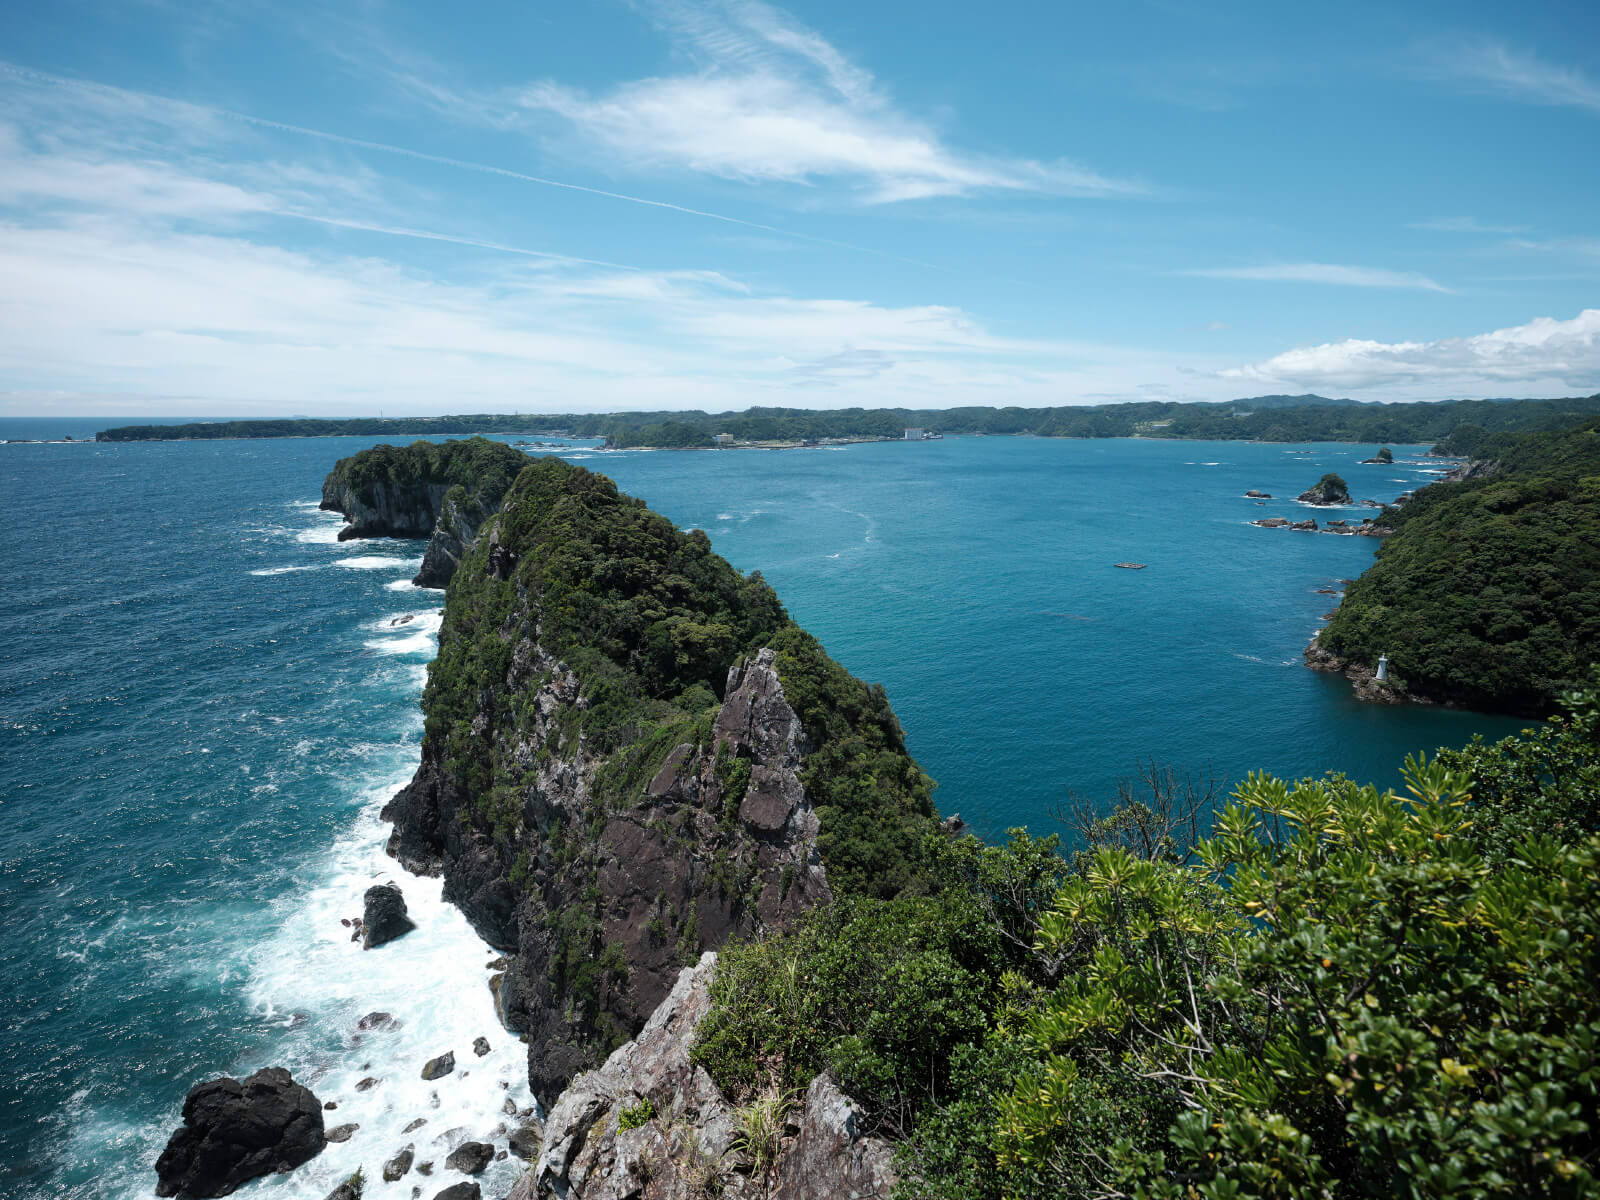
(1275, 419)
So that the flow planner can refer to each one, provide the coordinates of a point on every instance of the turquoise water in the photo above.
(204, 698)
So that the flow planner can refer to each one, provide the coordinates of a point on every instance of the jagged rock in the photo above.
(470, 1158)
(342, 1133)
(415, 1125)
(653, 894)
(460, 1191)
(350, 1189)
(397, 1166)
(330, 1106)
(367, 1084)
(384, 916)
(234, 1131)
(833, 1156)
(1477, 468)
(377, 1020)
(480, 1046)
(424, 1168)
(586, 1157)
(438, 1068)
(1253, 494)
(1308, 526)
(1272, 522)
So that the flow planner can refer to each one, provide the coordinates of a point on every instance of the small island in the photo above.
(1328, 491)
(1383, 457)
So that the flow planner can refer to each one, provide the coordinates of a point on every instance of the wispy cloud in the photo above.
(1331, 273)
(1464, 225)
(1545, 351)
(772, 101)
(1485, 65)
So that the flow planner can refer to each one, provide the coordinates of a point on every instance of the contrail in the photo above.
(27, 73)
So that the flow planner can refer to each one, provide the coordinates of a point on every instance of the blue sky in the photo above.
(258, 207)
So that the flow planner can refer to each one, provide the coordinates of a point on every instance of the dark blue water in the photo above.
(204, 698)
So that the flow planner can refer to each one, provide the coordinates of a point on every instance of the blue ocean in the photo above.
(205, 698)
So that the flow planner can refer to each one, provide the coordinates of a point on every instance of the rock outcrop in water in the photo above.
(1329, 490)
(631, 755)
(383, 916)
(439, 491)
(234, 1131)
(683, 1137)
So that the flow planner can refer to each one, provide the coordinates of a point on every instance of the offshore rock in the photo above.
(688, 1148)
(1329, 490)
(470, 1158)
(383, 916)
(438, 1068)
(234, 1131)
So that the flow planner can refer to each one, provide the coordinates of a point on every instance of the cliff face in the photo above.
(686, 1140)
(596, 811)
(439, 491)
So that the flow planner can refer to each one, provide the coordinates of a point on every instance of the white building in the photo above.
(913, 435)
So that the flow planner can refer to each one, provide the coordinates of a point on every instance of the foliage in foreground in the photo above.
(1343, 992)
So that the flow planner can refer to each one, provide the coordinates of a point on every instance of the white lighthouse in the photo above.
(1383, 668)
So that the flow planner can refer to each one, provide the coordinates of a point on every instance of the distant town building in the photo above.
(724, 439)
(913, 435)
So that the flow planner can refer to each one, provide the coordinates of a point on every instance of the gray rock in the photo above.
(397, 1166)
(342, 1133)
(367, 1084)
(470, 1158)
(460, 1191)
(417, 1124)
(480, 1046)
(377, 1020)
(438, 1068)
(350, 1189)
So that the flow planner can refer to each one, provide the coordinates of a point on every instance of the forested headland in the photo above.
(1460, 424)
(1488, 593)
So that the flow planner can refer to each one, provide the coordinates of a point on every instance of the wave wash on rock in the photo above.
(632, 755)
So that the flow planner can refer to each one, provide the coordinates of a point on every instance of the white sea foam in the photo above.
(379, 562)
(325, 532)
(401, 585)
(286, 570)
(433, 981)
(418, 635)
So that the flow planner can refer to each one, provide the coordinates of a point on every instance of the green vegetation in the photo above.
(636, 1115)
(1259, 418)
(482, 468)
(1488, 594)
(650, 620)
(1341, 993)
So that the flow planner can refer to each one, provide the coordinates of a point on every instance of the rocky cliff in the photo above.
(651, 1125)
(631, 755)
(439, 491)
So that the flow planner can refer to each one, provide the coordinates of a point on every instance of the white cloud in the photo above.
(1465, 225)
(774, 102)
(1486, 65)
(1543, 353)
(1343, 276)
